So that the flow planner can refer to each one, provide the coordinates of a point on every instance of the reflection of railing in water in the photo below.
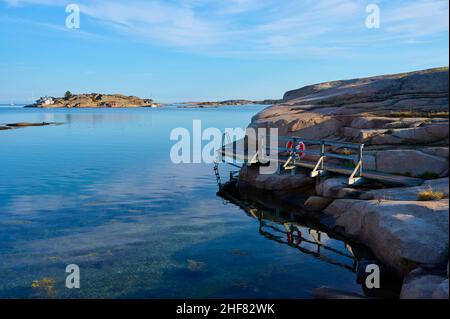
(292, 234)
(293, 237)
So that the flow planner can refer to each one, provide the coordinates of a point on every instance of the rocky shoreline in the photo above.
(403, 121)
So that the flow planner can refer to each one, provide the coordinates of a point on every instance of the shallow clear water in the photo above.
(101, 192)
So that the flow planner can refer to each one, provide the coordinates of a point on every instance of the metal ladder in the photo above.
(217, 173)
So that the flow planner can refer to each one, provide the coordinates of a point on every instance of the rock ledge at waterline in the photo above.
(403, 120)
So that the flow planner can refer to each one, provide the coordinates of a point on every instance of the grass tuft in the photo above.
(429, 195)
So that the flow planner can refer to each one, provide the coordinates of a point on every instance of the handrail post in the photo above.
(262, 150)
(361, 148)
(322, 154)
(357, 173)
(293, 171)
(222, 150)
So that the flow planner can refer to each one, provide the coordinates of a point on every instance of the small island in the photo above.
(93, 100)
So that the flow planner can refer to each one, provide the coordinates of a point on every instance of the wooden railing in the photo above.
(294, 158)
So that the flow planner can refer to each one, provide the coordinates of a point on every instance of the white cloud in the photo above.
(420, 18)
(155, 20)
(264, 27)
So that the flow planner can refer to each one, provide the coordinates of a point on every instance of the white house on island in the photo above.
(46, 100)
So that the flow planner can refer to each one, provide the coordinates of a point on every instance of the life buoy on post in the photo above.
(300, 149)
(290, 146)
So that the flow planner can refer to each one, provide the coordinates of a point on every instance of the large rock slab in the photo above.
(336, 187)
(317, 203)
(437, 151)
(402, 234)
(410, 161)
(428, 82)
(371, 122)
(413, 135)
(359, 103)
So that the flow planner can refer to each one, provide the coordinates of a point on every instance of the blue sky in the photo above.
(180, 50)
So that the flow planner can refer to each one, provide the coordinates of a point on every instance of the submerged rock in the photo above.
(195, 266)
(46, 285)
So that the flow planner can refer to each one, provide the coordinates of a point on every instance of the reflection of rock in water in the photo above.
(282, 219)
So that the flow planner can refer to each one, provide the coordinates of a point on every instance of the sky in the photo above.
(197, 50)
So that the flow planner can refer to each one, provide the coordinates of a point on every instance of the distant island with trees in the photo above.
(93, 100)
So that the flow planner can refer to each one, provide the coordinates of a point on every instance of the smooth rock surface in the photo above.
(336, 187)
(317, 203)
(412, 162)
(402, 234)
(412, 135)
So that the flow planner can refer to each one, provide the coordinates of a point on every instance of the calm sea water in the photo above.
(101, 192)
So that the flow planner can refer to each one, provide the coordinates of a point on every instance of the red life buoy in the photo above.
(299, 150)
(290, 146)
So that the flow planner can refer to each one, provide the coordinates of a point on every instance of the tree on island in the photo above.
(68, 95)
